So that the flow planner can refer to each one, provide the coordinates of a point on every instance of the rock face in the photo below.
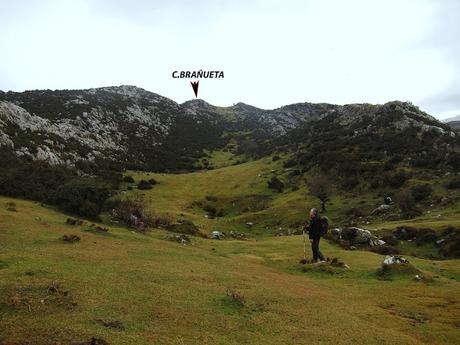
(67, 126)
(356, 236)
(392, 260)
(141, 129)
(336, 232)
(362, 236)
(376, 242)
(217, 235)
(381, 209)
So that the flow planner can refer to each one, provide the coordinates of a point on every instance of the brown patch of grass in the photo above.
(332, 266)
(113, 324)
(236, 298)
(10, 206)
(36, 299)
(92, 341)
(70, 238)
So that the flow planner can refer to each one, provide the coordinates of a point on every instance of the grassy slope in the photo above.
(236, 187)
(232, 185)
(165, 293)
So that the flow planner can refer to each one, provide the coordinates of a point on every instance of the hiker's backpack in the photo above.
(324, 225)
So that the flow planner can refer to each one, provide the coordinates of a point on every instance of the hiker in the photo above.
(315, 230)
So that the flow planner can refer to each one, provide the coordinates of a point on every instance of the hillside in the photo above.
(129, 288)
(128, 191)
(143, 130)
(126, 124)
(238, 198)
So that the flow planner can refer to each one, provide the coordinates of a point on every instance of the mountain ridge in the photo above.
(142, 129)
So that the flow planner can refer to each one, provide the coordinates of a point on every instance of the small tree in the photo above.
(321, 187)
(406, 203)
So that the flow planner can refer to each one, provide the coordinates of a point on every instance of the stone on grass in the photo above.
(180, 238)
(380, 210)
(217, 235)
(395, 259)
(363, 236)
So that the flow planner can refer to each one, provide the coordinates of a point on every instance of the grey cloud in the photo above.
(445, 37)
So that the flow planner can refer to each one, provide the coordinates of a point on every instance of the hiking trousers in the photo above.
(315, 249)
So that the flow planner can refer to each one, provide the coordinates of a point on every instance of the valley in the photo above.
(127, 218)
(216, 291)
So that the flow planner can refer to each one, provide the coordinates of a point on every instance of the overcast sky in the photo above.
(272, 53)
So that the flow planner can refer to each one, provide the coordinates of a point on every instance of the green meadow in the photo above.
(128, 287)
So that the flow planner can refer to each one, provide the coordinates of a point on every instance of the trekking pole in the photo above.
(304, 245)
(304, 260)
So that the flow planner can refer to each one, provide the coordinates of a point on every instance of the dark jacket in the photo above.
(314, 228)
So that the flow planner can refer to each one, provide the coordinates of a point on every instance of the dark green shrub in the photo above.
(405, 232)
(354, 212)
(421, 191)
(454, 160)
(407, 205)
(450, 247)
(59, 185)
(290, 163)
(397, 179)
(349, 183)
(144, 185)
(349, 234)
(454, 183)
(390, 240)
(420, 236)
(413, 213)
(128, 179)
(385, 250)
(185, 227)
(211, 198)
(375, 183)
(426, 236)
(211, 210)
(83, 196)
(295, 172)
(276, 184)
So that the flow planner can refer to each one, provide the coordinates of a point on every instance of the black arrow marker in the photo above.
(195, 85)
